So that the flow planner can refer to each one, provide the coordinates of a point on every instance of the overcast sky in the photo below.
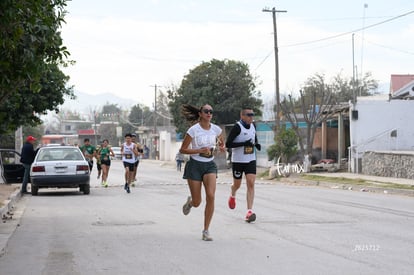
(124, 47)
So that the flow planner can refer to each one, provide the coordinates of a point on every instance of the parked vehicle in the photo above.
(11, 170)
(61, 167)
(117, 152)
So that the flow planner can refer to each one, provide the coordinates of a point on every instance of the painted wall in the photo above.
(381, 125)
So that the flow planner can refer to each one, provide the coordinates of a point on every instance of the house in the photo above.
(71, 127)
(402, 86)
(382, 135)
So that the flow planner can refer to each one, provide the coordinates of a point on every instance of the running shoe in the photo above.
(250, 216)
(206, 236)
(187, 206)
(105, 184)
(128, 190)
(232, 202)
(126, 186)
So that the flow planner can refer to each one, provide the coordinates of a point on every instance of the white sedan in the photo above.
(117, 152)
(61, 167)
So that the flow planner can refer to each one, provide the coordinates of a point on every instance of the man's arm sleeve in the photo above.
(235, 131)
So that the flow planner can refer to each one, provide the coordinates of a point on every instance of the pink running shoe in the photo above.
(232, 202)
(250, 216)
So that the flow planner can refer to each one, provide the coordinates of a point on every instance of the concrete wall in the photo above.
(397, 164)
(168, 147)
(266, 139)
(381, 125)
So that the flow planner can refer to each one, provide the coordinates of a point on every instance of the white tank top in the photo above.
(244, 154)
(128, 155)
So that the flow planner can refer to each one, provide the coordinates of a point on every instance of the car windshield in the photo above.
(59, 153)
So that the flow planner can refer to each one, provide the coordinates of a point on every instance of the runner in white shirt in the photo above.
(129, 153)
(200, 142)
(242, 140)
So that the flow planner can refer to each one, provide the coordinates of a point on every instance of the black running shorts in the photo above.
(239, 168)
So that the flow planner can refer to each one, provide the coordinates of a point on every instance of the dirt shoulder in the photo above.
(352, 184)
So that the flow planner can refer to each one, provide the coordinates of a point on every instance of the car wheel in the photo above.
(35, 190)
(86, 189)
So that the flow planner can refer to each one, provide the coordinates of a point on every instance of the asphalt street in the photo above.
(299, 230)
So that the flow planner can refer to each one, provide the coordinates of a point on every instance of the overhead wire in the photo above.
(348, 32)
(339, 35)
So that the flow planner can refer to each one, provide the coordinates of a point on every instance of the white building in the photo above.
(380, 123)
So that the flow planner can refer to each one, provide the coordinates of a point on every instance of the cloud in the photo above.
(127, 56)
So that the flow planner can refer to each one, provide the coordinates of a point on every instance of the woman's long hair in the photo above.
(190, 113)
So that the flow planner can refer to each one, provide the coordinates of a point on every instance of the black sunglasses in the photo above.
(207, 111)
(249, 114)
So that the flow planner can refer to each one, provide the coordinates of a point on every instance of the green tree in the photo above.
(163, 115)
(138, 116)
(285, 146)
(110, 114)
(32, 53)
(226, 85)
(37, 132)
(346, 88)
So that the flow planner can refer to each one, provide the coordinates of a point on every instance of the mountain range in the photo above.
(85, 103)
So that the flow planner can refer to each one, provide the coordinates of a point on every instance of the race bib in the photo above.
(248, 150)
(128, 156)
(207, 155)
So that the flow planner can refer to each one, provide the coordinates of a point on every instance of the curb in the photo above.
(8, 223)
(7, 209)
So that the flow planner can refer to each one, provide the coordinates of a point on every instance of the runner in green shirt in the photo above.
(105, 158)
(89, 151)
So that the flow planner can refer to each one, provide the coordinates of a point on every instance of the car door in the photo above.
(12, 170)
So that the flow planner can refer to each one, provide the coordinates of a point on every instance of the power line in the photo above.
(390, 48)
(264, 59)
(349, 32)
(342, 34)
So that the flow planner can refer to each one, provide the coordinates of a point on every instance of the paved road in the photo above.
(300, 230)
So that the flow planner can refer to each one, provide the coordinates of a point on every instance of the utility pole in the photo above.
(353, 72)
(362, 44)
(94, 126)
(274, 11)
(155, 142)
(155, 108)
